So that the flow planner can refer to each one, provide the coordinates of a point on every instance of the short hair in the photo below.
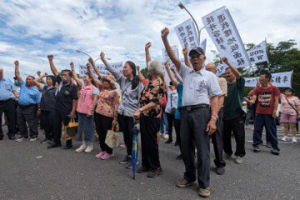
(156, 67)
(31, 77)
(267, 75)
(69, 71)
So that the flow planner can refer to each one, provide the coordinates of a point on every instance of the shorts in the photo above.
(286, 118)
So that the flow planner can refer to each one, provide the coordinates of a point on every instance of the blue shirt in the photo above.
(179, 91)
(6, 89)
(28, 95)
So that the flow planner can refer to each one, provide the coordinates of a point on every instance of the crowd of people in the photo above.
(200, 106)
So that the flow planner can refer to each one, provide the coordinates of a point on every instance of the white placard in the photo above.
(187, 35)
(102, 68)
(223, 32)
(258, 53)
(165, 55)
(221, 69)
(282, 79)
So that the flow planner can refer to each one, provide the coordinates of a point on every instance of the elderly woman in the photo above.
(131, 89)
(86, 104)
(106, 116)
(149, 116)
(290, 110)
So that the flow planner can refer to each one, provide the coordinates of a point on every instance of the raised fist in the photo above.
(138, 68)
(165, 32)
(185, 51)
(148, 45)
(91, 60)
(17, 63)
(102, 55)
(50, 57)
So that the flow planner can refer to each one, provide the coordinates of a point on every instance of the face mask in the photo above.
(65, 80)
(16, 82)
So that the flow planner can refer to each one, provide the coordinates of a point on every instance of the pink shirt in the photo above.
(285, 106)
(108, 103)
(86, 99)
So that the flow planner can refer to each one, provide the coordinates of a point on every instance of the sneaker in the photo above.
(184, 183)
(256, 149)
(275, 152)
(294, 140)
(180, 157)
(107, 156)
(45, 141)
(125, 160)
(142, 170)
(81, 149)
(89, 149)
(99, 155)
(204, 192)
(21, 139)
(153, 174)
(284, 138)
(238, 160)
(220, 170)
(32, 139)
(165, 136)
(169, 141)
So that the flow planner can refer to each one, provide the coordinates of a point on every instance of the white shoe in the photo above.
(294, 139)
(32, 139)
(166, 136)
(81, 149)
(284, 138)
(239, 160)
(89, 149)
(20, 139)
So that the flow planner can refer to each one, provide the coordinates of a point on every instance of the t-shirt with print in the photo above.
(233, 101)
(266, 99)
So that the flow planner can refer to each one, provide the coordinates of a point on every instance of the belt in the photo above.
(194, 107)
(6, 100)
(21, 106)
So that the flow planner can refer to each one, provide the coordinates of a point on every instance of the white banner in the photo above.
(203, 45)
(221, 69)
(222, 30)
(187, 35)
(102, 68)
(282, 79)
(258, 53)
(166, 57)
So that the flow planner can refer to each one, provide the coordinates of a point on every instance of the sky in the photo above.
(32, 29)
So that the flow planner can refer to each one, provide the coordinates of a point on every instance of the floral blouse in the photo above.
(152, 92)
(108, 103)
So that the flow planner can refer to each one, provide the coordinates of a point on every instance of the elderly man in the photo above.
(198, 115)
(8, 93)
(217, 138)
(28, 110)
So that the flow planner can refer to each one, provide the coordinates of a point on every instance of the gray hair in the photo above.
(156, 67)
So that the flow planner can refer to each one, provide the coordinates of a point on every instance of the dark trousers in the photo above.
(46, 120)
(59, 119)
(193, 132)
(150, 156)
(8, 107)
(127, 126)
(177, 130)
(103, 124)
(217, 140)
(28, 115)
(171, 119)
(269, 122)
(237, 127)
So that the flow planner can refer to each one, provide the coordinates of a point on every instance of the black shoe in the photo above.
(53, 145)
(220, 170)
(180, 157)
(169, 141)
(256, 149)
(68, 146)
(125, 160)
(11, 137)
(153, 174)
(176, 143)
(275, 152)
(142, 170)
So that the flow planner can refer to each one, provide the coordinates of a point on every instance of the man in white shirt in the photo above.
(199, 115)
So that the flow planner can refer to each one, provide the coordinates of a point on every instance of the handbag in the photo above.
(298, 119)
(71, 130)
(112, 138)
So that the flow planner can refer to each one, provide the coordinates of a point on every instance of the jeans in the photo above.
(163, 123)
(268, 121)
(237, 127)
(193, 132)
(248, 117)
(85, 128)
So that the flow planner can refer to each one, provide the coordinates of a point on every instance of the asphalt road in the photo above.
(30, 171)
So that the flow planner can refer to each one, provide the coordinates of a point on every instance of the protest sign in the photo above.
(187, 35)
(258, 53)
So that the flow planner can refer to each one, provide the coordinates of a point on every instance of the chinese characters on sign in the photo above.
(258, 53)
(187, 35)
(166, 57)
(222, 30)
(282, 79)
(102, 68)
